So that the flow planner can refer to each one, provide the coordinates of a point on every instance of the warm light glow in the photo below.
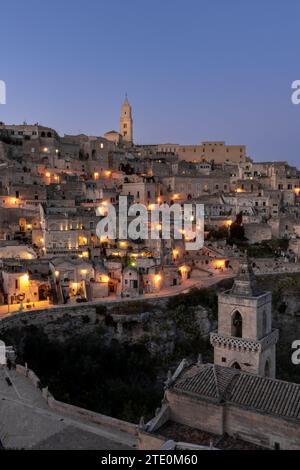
(45, 149)
(297, 191)
(151, 206)
(108, 173)
(116, 253)
(123, 244)
(158, 227)
(96, 175)
(175, 253)
(85, 254)
(25, 278)
(228, 223)
(84, 272)
(159, 199)
(104, 278)
(176, 196)
(83, 240)
(219, 263)
(56, 273)
(239, 190)
(42, 240)
(157, 278)
(183, 269)
(48, 175)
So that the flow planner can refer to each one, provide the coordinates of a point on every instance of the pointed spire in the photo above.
(245, 283)
(126, 99)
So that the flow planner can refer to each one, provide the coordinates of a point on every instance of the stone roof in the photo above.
(222, 384)
(245, 283)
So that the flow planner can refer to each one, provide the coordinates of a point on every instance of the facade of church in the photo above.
(238, 396)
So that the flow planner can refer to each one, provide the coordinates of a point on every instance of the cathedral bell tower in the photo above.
(126, 122)
(245, 338)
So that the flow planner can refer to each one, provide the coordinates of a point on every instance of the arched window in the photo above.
(237, 325)
(236, 365)
(267, 368)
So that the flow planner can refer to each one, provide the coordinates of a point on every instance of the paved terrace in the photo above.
(26, 422)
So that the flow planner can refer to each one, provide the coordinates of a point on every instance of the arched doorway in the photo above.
(22, 224)
(237, 325)
(43, 292)
(236, 365)
(267, 368)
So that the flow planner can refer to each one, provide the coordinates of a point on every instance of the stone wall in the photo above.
(197, 414)
(148, 441)
(262, 429)
(75, 411)
(239, 422)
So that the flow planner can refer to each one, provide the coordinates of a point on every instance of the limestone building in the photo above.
(245, 338)
(126, 122)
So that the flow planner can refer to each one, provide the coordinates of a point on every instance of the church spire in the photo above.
(126, 121)
(245, 283)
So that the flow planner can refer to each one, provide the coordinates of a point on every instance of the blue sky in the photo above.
(193, 69)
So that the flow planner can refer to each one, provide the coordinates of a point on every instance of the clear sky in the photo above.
(193, 69)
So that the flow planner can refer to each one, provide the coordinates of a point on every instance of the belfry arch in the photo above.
(237, 325)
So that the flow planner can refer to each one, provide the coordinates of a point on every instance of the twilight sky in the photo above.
(193, 69)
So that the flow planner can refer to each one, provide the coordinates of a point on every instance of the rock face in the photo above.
(58, 323)
(152, 323)
(204, 323)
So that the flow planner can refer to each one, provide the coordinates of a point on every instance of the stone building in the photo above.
(215, 152)
(237, 397)
(245, 338)
(126, 122)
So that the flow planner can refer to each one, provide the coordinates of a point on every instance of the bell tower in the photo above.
(245, 338)
(126, 122)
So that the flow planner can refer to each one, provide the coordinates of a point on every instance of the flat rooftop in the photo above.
(26, 422)
(181, 433)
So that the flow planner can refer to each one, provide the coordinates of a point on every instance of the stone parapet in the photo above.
(243, 344)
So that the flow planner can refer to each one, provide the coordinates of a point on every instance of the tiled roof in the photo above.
(206, 380)
(262, 394)
(268, 395)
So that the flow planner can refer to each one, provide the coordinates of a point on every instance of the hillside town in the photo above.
(54, 190)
